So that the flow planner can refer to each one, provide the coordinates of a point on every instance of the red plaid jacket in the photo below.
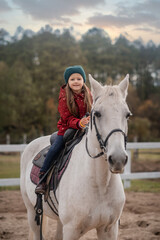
(67, 120)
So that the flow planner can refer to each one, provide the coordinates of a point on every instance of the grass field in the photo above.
(10, 168)
(152, 155)
(10, 165)
(145, 186)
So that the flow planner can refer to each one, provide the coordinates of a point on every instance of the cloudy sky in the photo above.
(132, 18)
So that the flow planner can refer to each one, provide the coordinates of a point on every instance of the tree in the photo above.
(145, 85)
(96, 46)
(139, 128)
(31, 73)
(150, 110)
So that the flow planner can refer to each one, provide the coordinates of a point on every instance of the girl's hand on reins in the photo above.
(84, 121)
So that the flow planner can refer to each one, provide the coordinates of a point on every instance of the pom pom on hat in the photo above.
(74, 69)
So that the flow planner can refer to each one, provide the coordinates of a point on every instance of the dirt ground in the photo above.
(140, 219)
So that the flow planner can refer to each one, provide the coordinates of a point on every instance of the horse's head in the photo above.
(109, 120)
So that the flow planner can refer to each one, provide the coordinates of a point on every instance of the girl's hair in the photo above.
(71, 102)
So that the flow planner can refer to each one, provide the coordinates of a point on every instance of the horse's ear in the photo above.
(95, 87)
(124, 86)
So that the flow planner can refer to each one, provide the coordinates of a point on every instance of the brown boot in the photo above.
(41, 186)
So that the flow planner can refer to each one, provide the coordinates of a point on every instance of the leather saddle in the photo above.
(71, 138)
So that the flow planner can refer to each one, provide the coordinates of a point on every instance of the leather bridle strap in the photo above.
(102, 143)
(98, 155)
(116, 130)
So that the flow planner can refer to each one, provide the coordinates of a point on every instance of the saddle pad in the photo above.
(61, 163)
(34, 175)
(40, 157)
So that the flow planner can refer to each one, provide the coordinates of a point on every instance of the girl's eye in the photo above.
(97, 114)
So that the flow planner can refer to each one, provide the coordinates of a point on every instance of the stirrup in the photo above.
(40, 188)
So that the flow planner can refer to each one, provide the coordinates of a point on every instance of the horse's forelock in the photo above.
(112, 93)
(109, 94)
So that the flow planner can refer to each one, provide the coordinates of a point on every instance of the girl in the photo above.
(74, 102)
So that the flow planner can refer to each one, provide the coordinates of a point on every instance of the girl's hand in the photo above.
(84, 121)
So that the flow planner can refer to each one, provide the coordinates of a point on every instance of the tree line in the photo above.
(31, 73)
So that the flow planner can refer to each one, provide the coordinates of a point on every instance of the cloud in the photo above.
(144, 29)
(4, 7)
(103, 21)
(151, 30)
(54, 9)
(3, 22)
(147, 6)
(144, 14)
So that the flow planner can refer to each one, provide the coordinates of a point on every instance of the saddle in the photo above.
(71, 138)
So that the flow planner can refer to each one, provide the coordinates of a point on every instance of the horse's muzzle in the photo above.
(117, 165)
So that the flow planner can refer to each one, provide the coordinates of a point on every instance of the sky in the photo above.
(132, 18)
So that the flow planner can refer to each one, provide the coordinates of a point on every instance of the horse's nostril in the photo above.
(126, 160)
(110, 160)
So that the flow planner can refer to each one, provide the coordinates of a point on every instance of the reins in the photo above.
(103, 144)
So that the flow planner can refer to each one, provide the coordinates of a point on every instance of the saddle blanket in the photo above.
(61, 162)
(34, 175)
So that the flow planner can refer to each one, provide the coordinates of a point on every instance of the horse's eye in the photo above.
(97, 114)
(128, 115)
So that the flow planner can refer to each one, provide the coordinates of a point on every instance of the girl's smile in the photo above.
(75, 82)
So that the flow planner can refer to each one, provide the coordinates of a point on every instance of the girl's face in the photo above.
(75, 82)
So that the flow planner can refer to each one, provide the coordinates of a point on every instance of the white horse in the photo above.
(90, 193)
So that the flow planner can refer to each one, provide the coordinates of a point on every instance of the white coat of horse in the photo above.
(90, 194)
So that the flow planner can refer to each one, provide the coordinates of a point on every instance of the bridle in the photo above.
(103, 144)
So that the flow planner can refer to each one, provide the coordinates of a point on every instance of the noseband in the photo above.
(102, 143)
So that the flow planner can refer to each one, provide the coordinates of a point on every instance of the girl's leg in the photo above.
(53, 152)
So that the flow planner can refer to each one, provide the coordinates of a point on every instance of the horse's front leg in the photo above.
(59, 234)
(34, 229)
(71, 232)
(108, 233)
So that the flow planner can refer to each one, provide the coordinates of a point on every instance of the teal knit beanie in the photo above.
(74, 69)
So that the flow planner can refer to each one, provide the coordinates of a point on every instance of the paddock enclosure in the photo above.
(140, 218)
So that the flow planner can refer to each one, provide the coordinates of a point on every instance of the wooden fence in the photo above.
(126, 176)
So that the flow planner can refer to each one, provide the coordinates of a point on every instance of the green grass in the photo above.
(9, 165)
(147, 155)
(10, 168)
(9, 188)
(145, 186)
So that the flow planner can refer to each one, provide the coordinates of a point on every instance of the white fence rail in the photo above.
(126, 176)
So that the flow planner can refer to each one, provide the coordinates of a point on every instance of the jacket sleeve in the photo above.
(66, 117)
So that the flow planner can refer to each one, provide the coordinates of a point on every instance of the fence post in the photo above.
(8, 139)
(127, 182)
(24, 138)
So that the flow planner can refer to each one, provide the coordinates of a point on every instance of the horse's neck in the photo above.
(101, 174)
(97, 168)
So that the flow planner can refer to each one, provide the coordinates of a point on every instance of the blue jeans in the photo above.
(53, 152)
